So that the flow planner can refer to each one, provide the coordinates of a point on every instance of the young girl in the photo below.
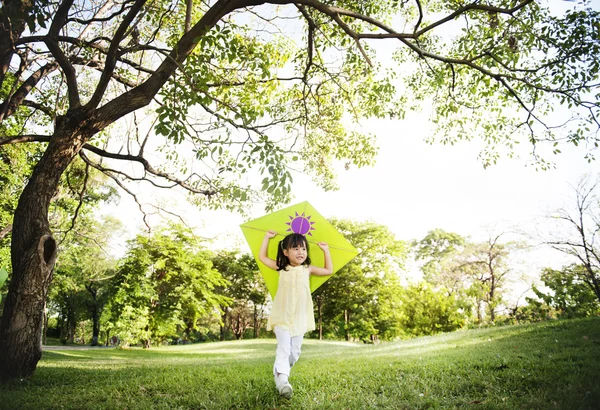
(292, 311)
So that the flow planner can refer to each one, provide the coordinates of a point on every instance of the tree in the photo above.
(163, 287)
(245, 289)
(580, 231)
(357, 302)
(80, 287)
(439, 251)
(425, 311)
(81, 66)
(468, 270)
(568, 293)
(490, 266)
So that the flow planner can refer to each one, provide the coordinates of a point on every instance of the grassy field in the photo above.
(551, 365)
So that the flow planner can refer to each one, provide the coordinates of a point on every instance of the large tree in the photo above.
(209, 68)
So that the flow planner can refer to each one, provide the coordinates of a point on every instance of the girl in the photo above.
(292, 311)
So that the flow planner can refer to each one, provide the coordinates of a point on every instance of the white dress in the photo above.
(293, 307)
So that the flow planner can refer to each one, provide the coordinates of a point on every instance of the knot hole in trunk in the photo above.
(49, 249)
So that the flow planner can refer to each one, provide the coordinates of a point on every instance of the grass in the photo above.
(550, 365)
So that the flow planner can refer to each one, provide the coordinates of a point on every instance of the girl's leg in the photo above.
(283, 352)
(296, 346)
(281, 368)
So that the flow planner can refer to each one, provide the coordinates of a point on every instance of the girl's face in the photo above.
(296, 254)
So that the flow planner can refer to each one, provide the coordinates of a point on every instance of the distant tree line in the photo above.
(169, 287)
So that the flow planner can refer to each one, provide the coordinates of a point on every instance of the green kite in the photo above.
(301, 218)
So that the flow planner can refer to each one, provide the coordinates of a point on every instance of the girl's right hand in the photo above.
(270, 234)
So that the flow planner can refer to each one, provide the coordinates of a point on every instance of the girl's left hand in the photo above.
(323, 245)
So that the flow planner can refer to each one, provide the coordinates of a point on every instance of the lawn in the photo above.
(549, 365)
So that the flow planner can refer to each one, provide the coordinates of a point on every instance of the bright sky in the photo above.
(416, 187)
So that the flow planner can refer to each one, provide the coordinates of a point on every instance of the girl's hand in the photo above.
(323, 245)
(327, 269)
(270, 234)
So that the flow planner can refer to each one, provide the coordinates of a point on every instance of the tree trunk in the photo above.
(593, 282)
(346, 325)
(255, 320)
(223, 325)
(33, 253)
(22, 318)
(95, 313)
(45, 326)
(320, 316)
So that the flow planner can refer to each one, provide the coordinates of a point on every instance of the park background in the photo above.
(185, 276)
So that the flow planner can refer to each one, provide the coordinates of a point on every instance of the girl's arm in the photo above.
(262, 254)
(328, 268)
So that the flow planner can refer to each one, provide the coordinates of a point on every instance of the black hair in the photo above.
(291, 241)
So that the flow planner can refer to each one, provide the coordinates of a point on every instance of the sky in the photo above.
(416, 187)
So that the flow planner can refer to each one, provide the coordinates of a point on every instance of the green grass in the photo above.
(550, 365)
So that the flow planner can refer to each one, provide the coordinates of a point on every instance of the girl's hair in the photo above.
(291, 241)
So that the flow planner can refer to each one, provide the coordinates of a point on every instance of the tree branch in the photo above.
(51, 40)
(111, 56)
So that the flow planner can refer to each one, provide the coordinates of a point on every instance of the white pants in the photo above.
(288, 350)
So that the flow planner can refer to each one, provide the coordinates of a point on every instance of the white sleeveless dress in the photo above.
(293, 307)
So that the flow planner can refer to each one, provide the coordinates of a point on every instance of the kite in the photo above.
(301, 218)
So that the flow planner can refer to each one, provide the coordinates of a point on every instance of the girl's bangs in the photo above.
(297, 240)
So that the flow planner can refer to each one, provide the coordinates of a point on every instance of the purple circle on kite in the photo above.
(300, 225)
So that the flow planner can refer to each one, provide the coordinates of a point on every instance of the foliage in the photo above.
(426, 311)
(477, 273)
(258, 76)
(498, 61)
(245, 290)
(439, 251)
(358, 301)
(80, 287)
(567, 293)
(162, 288)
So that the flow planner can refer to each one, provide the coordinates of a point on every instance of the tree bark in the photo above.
(45, 324)
(11, 28)
(34, 251)
(22, 319)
